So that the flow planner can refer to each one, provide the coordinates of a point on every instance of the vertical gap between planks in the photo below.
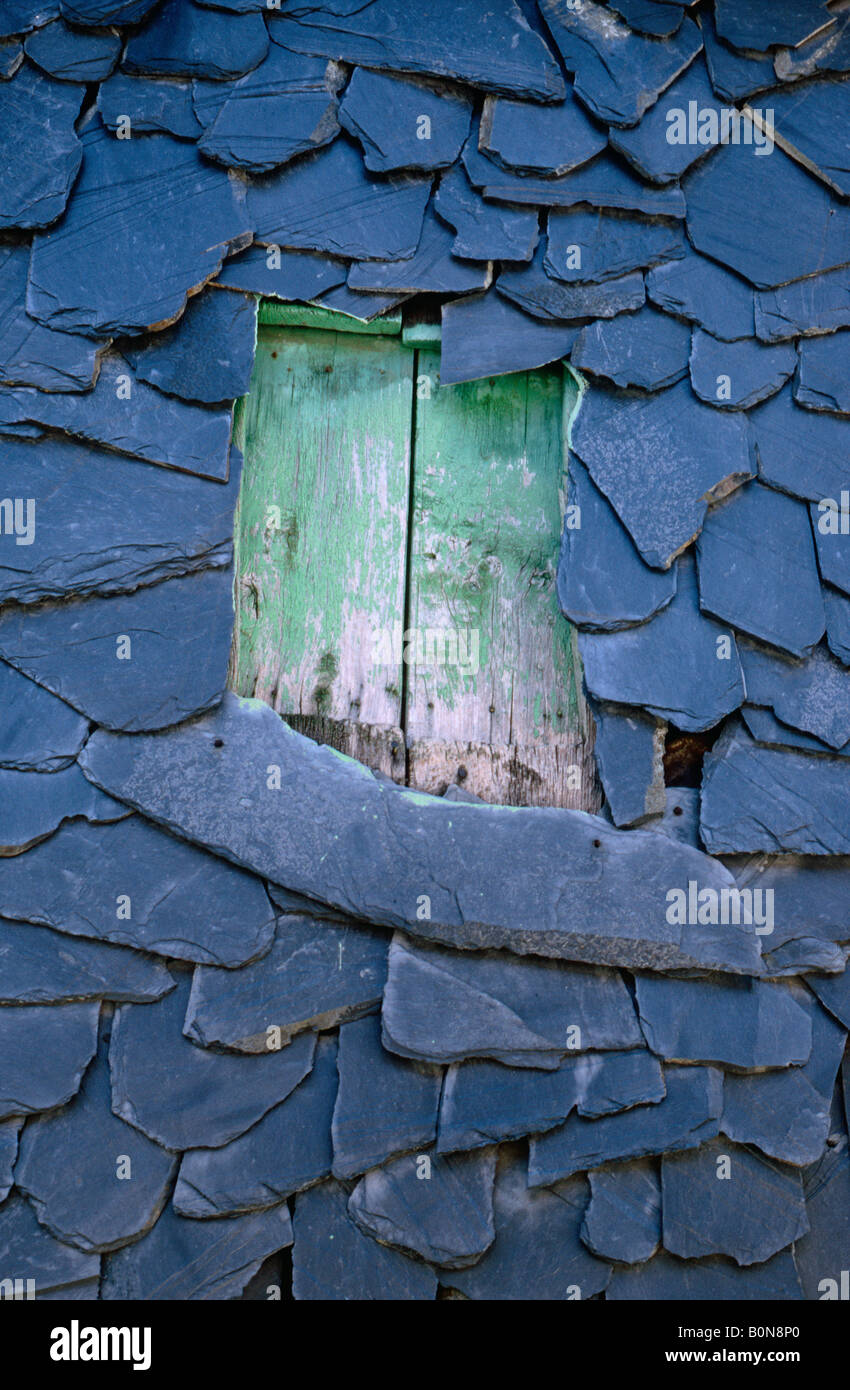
(408, 560)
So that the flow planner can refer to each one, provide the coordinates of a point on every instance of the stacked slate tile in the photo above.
(254, 999)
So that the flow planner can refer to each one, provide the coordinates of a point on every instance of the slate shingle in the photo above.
(30, 353)
(185, 40)
(432, 269)
(43, 153)
(744, 1024)
(28, 1251)
(824, 374)
(44, 1054)
(645, 349)
(402, 123)
(284, 275)
(484, 231)
(809, 307)
(485, 335)
(707, 294)
(622, 1220)
(41, 966)
(629, 751)
(72, 56)
(599, 244)
(663, 146)
(34, 804)
(39, 733)
(207, 355)
(720, 1279)
(735, 376)
(538, 139)
(150, 104)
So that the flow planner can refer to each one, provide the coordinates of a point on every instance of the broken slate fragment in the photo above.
(28, 1251)
(674, 134)
(40, 966)
(823, 379)
(623, 1217)
(687, 1116)
(812, 123)
(491, 48)
(534, 290)
(22, 16)
(748, 1207)
(629, 752)
(826, 51)
(837, 625)
(485, 1102)
(604, 182)
(433, 268)
(811, 695)
(597, 244)
(603, 584)
(803, 452)
(747, 24)
(211, 1097)
(34, 804)
(756, 798)
(546, 140)
(284, 275)
(73, 56)
(97, 1210)
(660, 18)
(717, 1279)
(30, 354)
(207, 355)
(745, 211)
(38, 733)
(402, 123)
(149, 104)
(661, 460)
(289, 1149)
(133, 885)
(359, 305)
(181, 215)
(384, 1106)
(184, 40)
(332, 1260)
(647, 349)
(537, 1253)
(441, 1006)
(734, 376)
(820, 1254)
(618, 74)
(484, 231)
(41, 151)
(447, 1218)
(135, 661)
(44, 1052)
(805, 308)
(745, 1024)
(195, 1260)
(407, 843)
(766, 728)
(285, 107)
(697, 289)
(328, 202)
(758, 571)
(486, 335)
(734, 75)
(317, 975)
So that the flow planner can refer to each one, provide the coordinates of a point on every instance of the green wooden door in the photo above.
(396, 548)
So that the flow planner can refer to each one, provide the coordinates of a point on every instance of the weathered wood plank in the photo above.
(273, 314)
(378, 746)
(547, 773)
(322, 533)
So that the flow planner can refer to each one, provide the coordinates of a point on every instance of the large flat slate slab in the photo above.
(753, 1214)
(288, 1150)
(484, 231)
(28, 1251)
(172, 667)
(384, 1106)
(622, 1221)
(317, 975)
(333, 1261)
(486, 335)
(328, 201)
(190, 41)
(40, 966)
(131, 885)
(441, 1210)
(756, 798)
(441, 1006)
(45, 1052)
(43, 152)
(402, 123)
(39, 733)
(599, 902)
(642, 665)
(208, 354)
(688, 1115)
(211, 1097)
(600, 244)
(660, 460)
(495, 49)
(30, 353)
(181, 214)
(758, 571)
(34, 804)
(603, 584)
(181, 1260)
(745, 1024)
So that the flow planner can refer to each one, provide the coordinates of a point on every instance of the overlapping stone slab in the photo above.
(811, 695)
(441, 1006)
(284, 275)
(208, 355)
(599, 244)
(604, 182)
(211, 1097)
(327, 201)
(40, 966)
(494, 49)
(181, 214)
(402, 123)
(809, 910)
(812, 125)
(758, 571)
(484, 231)
(34, 804)
(132, 885)
(442, 1212)
(485, 335)
(801, 451)
(734, 75)
(674, 134)
(384, 1106)
(28, 1251)
(718, 1279)
(698, 289)
(661, 460)
(744, 1024)
(535, 291)
(597, 898)
(826, 51)
(44, 1052)
(629, 752)
(150, 104)
(43, 153)
(73, 56)
(185, 40)
(485, 1102)
(332, 1260)
(688, 1115)
(660, 18)
(824, 372)
(746, 23)
(769, 799)
(543, 140)
(192, 1260)
(622, 1220)
(805, 308)
(317, 975)
(432, 269)
(647, 349)
(22, 16)
(30, 353)
(288, 1150)
(618, 74)
(38, 733)
(135, 661)
(537, 1254)
(735, 376)
(819, 1253)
